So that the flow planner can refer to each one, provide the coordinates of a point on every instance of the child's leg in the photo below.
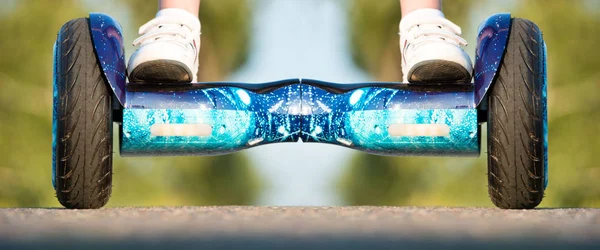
(431, 45)
(191, 6)
(409, 6)
(169, 45)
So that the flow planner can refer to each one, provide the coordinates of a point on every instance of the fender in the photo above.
(107, 37)
(491, 43)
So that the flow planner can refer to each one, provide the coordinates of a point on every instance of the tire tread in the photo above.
(515, 162)
(84, 148)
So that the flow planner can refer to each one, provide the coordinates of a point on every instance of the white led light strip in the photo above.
(401, 129)
(199, 129)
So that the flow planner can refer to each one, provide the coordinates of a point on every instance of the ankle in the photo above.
(420, 14)
(186, 16)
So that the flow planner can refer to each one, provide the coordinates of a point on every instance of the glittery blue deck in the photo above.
(368, 131)
(357, 118)
(360, 119)
(239, 119)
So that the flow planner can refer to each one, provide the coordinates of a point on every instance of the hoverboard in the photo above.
(91, 94)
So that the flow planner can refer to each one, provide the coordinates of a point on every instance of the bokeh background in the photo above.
(336, 40)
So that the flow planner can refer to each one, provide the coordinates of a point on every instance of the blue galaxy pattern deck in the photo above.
(221, 118)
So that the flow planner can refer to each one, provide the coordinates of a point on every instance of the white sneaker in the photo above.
(167, 49)
(431, 49)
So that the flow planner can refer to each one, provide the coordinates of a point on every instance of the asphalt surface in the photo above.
(299, 228)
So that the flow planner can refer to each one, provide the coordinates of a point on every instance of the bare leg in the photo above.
(409, 6)
(191, 6)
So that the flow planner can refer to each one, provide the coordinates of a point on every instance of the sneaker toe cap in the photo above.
(441, 51)
(159, 51)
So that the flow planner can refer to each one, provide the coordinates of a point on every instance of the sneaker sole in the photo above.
(161, 71)
(438, 71)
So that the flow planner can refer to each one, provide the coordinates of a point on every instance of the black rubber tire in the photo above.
(84, 126)
(515, 121)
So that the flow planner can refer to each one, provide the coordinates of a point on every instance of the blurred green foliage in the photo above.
(571, 30)
(29, 28)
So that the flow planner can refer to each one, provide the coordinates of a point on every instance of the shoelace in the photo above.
(437, 28)
(165, 27)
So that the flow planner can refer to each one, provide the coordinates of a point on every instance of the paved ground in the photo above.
(299, 228)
